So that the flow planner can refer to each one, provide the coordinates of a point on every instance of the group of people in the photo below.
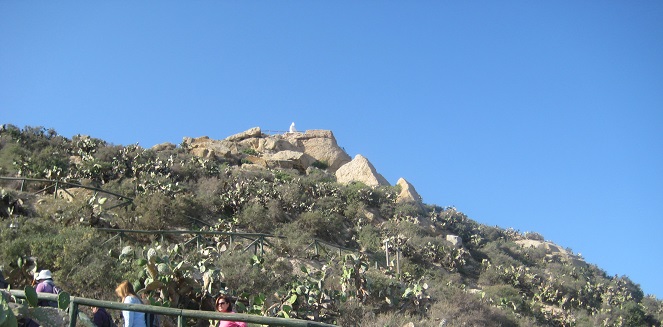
(137, 319)
(125, 291)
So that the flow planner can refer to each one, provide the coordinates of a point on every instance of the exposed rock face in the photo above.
(290, 150)
(321, 145)
(289, 159)
(408, 193)
(253, 132)
(205, 147)
(360, 170)
(164, 146)
(553, 251)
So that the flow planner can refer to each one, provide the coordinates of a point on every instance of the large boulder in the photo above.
(455, 240)
(250, 133)
(164, 147)
(318, 144)
(360, 170)
(205, 147)
(289, 160)
(315, 145)
(408, 194)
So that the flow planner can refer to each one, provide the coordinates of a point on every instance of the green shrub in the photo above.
(320, 165)
(462, 309)
(295, 241)
(159, 211)
(244, 275)
(370, 239)
(259, 218)
(325, 226)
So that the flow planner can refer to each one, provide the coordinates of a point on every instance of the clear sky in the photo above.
(543, 116)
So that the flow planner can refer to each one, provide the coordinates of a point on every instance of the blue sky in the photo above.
(536, 115)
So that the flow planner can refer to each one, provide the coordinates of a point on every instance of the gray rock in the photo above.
(455, 240)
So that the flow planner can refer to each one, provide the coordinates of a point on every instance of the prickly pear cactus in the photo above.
(7, 317)
(31, 295)
(63, 300)
(151, 263)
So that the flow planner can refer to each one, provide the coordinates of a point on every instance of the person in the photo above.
(45, 284)
(223, 304)
(101, 317)
(127, 294)
(3, 282)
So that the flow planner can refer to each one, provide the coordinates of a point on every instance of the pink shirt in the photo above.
(224, 323)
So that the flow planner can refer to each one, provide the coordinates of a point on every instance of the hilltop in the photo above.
(391, 259)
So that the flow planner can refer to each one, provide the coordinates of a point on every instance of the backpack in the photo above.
(56, 289)
(151, 320)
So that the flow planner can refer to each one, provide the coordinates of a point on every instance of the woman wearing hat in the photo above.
(46, 285)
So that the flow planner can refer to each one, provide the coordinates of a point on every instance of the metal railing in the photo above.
(181, 314)
(56, 185)
(258, 240)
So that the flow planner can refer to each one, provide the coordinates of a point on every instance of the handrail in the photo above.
(175, 231)
(180, 313)
(257, 239)
(56, 182)
(254, 237)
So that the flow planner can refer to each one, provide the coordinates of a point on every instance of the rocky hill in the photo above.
(337, 243)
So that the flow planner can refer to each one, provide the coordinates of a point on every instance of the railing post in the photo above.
(180, 321)
(55, 193)
(73, 313)
(398, 262)
(386, 251)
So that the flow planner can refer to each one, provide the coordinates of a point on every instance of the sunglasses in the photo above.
(221, 303)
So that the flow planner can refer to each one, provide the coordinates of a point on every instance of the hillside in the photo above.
(332, 240)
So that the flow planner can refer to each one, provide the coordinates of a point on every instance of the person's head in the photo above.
(223, 304)
(44, 275)
(124, 289)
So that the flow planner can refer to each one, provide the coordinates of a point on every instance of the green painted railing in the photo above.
(56, 185)
(181, 314)
(258, 240)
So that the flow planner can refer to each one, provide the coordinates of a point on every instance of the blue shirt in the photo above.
(133, 318)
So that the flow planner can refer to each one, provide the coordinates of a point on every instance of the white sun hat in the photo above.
(44, 274)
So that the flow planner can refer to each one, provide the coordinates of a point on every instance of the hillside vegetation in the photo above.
(342, 253)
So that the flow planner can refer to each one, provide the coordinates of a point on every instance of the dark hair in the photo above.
(227, 299)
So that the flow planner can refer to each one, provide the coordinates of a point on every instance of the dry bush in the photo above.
(462, 309)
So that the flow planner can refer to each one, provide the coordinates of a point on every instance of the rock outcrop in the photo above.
(408, 194)
(360, 170)
(290, 150)
(294, 150)
(553, 251)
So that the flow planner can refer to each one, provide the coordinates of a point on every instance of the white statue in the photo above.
(292, 127)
